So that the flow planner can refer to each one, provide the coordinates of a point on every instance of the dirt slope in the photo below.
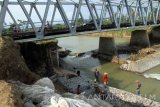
(9, 95)
(12, 64)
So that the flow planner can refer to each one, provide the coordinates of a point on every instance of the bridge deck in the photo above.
(57, 33)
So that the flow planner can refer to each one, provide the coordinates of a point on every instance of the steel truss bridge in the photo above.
(88, 16)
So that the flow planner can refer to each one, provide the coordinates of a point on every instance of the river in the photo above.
(117, 78)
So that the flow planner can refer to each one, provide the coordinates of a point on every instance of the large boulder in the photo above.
(45, 82)
(43, 95)
(12, 64)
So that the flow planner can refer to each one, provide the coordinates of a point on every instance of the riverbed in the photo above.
(117, 77)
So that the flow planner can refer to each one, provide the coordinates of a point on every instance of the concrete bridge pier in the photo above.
(155, 34)
(107, 46)
(140, 38)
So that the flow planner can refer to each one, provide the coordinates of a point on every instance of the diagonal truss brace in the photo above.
(3, 14)
(28, 17)
(77, 16)
(12, 17)
(45, 17)
(91, 13)
(63, 14)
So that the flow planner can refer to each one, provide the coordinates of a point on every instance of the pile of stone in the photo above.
(113, 96)
(44, 94)
(127, 99)
(72, 83)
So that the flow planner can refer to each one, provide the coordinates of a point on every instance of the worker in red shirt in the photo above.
(105, 78)
(78, 89)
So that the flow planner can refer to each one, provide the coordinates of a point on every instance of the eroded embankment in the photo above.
(12, 63)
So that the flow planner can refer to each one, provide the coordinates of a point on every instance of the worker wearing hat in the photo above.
(105, 78)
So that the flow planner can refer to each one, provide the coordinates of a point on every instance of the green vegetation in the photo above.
(41, 42)
(117, 33)
(59, 26)
(125, 30)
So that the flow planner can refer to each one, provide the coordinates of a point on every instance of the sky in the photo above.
(18, 13)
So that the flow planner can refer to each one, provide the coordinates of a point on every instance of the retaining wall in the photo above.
(142, 65)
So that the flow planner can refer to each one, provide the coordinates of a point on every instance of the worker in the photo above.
(96, 73)
(78, 89)
(105, 78)
(138, 87)
(15, 29)
(95, 84)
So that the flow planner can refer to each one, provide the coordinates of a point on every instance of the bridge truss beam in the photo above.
(118, 15)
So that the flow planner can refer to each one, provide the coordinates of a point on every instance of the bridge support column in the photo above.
(140, 38)
(107, 46)
(155, 34)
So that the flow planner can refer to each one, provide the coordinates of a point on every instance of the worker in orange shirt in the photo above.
(105, 78)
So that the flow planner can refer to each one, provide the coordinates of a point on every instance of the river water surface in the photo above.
(117, 77)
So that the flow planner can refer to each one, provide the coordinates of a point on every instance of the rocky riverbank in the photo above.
(142, 63)
(114, 96)
(44, 94)
(127, 99)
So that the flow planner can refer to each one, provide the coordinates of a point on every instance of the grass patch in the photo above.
(128, 31)
(41, 42)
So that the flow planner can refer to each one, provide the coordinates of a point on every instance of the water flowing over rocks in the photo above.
(156, 76)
